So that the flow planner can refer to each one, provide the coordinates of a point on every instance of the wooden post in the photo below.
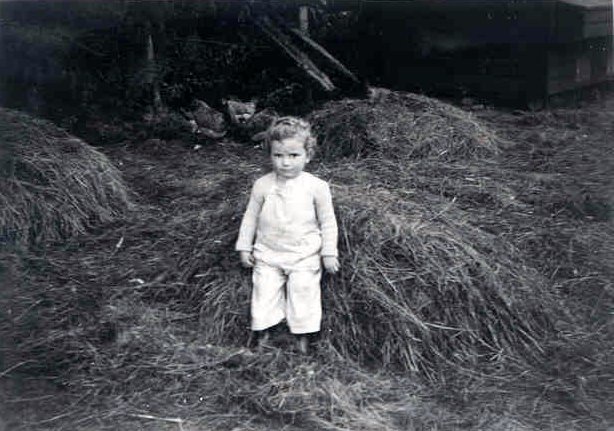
(610, 66)
(303, 19)
(303, 22)
(152, 73)
(301, 59)
(333, 61)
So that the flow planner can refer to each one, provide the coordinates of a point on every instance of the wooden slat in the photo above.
(589, 4)
(562, 72)
(301, 59)
(597, 30)
(503, 69)
(320, 49)
(560, 85)
(565, 84)
(598, 16)
(583, 69)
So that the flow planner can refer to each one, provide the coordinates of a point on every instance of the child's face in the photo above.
(289, 157)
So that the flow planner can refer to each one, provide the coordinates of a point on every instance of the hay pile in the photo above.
(430, 286)
(419, 275)
(397, 126)
(449, 255)
(59, 302)
(52, 185)
(422, 274)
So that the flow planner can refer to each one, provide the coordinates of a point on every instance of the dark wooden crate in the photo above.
(510, 50)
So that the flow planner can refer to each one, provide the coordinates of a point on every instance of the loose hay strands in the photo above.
(400, 126)
(171, 373)
(441, 257)
(52, 185)
(158, 256)
(418, 275)
(566, 153)
(428, 285)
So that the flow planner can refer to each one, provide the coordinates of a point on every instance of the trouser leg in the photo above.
(268, 297)
(304, 304)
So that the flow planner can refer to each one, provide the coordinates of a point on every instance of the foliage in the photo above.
(92, 56)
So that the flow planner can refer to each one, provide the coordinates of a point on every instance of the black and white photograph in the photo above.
(307, 215)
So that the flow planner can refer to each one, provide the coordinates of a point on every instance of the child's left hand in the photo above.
(331, 264)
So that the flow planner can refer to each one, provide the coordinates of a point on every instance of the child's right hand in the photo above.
(247, 259)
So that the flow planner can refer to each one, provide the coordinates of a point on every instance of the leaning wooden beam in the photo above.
(319, 48)
(295, 53)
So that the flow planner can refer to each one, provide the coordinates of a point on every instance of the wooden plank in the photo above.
(588, 4)
(598, 16)
(502, 69)
(568, 23)
(560, 85)
(561, 60)
(562, 72)
(336, 63)
(293, 52)
(583, 69)
(597, 30)
(509, 90)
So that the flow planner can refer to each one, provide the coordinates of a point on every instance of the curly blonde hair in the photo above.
(291, 127)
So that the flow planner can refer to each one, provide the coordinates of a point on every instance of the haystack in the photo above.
(448, 263)
(429, 285)
(424, 282)
(400, 126)
(52, 184)
(430, 270)
(421, 286)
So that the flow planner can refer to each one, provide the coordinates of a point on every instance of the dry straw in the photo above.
(419, 275)
(396, 126)
(52, 185)
(451, 259)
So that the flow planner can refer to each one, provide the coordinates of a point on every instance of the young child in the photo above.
(288, 230)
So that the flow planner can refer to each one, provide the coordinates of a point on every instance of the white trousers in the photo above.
(290, 293)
